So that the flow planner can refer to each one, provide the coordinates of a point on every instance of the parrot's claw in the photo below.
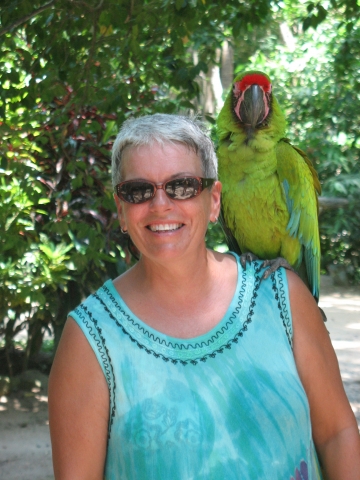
(272, 265)
(246, 258)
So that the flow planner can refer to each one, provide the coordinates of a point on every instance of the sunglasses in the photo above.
(137, 191)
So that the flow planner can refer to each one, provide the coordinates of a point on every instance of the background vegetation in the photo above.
(71, 71)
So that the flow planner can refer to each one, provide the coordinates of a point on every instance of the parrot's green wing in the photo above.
(301, 186)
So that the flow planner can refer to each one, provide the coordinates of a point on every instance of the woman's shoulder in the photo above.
(300, 295)
(96, 311)
(225, 259)
(231, 261)
(225, 265)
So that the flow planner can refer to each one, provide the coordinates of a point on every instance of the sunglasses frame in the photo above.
(204, 183)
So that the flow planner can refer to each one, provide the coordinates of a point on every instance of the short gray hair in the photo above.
(164, 129)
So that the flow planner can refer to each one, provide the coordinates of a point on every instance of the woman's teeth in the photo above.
(166, 227)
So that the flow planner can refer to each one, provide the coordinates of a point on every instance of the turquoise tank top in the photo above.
(228, 404)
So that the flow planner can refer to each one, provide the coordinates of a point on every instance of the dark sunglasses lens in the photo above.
(183, 188)
(136, 192)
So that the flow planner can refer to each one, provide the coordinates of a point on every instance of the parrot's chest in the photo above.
(255, 209)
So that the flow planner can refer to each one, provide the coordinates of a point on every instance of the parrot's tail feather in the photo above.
(230, 239)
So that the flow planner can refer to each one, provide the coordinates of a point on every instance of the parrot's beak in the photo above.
(254, 108)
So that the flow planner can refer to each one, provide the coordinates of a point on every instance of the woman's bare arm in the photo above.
(78, 409)
(334, 426)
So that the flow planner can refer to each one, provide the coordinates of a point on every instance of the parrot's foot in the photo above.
(273, 265)
(247, 258)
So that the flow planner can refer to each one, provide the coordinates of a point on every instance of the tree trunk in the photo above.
(227, 65)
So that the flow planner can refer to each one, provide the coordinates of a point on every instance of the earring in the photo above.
(215, 221)
(124, 232)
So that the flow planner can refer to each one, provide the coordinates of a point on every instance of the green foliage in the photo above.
(117, 57)
(59, 217)
(215, 238)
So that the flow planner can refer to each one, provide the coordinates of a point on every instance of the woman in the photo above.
(187, 366)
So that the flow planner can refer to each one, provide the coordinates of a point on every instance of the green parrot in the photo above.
(270, 188)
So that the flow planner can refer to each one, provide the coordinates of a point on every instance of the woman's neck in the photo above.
(183, 276)
(180, 299)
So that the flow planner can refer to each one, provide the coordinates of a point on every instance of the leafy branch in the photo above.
(22, 20)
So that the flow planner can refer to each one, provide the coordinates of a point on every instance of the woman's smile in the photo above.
(165, 227)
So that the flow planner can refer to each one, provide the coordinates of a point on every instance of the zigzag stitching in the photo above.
(105, 357)
(178, 346)
(287, 321)
(281, 303)
(213, 354)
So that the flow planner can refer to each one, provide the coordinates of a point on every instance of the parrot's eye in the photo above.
(236, 88)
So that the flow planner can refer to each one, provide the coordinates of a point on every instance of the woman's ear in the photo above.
(120, 211)
(215, 201)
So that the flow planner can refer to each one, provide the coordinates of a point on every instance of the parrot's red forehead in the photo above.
(255, 79)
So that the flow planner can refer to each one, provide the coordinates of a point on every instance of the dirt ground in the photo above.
(25, 450)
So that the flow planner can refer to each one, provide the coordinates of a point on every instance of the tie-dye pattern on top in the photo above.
(225, 405)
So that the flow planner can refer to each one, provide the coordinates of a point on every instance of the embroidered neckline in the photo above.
(279, 293)
(222, 336)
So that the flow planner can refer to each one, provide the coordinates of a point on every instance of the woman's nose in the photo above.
(160, 199)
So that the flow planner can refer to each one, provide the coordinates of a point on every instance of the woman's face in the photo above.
(163, 228)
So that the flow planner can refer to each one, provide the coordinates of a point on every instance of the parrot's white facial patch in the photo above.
(237, 105)
(236, 89)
